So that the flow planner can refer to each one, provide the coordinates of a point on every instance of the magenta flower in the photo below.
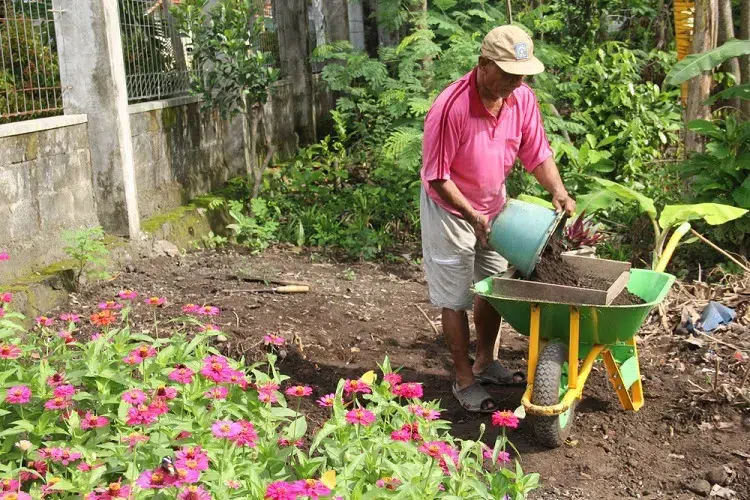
(327, 401)
(144, 352)
(134, 396)
(56, 379)
(15, 495)
(226, 429)
(127, 294)
(238, 377)
(113, 490)
(423, 412)
(186, 476)
(233, 484)
(109, 305)
(134, 438)
(190, 308)
(6, 297)
(181, 374)
(44, 321)
(503, 457)
(154, 480)
(57, 403)
(298, 390)
(158, 407)
(208, 311)
(284, 442)
(63, 456)
(209, 328)
(354, 386)
(4, 256)
(132, 359)
(216, 368)
(280, 490)
(411, 390)
(272, 339)
(217, 392)
(155, 301)
(247, 436)
(91, 421)
(70, 318)
(18, 395)
(505, 419)
(9, 485)
(64, 391)
(268, 397)
(389, 483)
(360, 416)
(9, 351)
(392, 378)
(194, 453)
(141, 415)
(310, 488)
(193, 492)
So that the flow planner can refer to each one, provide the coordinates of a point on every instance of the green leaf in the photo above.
(742, 194)
(694, 64)
(645, 203)
(536, 201)
(713, 213)
(738, 91)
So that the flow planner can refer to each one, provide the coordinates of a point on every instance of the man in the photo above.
(474, 132)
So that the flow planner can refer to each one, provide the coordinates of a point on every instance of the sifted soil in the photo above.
(357, 313)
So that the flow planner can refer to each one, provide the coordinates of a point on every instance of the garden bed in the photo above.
(355, 314)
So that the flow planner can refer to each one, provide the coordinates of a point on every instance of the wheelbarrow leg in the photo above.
(626, 377)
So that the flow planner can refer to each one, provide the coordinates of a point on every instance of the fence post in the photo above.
(92, 74)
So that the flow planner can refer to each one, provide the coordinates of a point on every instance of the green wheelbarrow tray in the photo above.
(598, 324)
(565, 340)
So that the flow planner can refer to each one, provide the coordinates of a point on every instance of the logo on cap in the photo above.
(521, 50)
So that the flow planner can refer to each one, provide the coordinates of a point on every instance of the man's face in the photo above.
(497, 83)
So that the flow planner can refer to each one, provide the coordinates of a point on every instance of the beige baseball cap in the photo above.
(511, 49)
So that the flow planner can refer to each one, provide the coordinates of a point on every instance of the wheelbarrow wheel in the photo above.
(550, 383)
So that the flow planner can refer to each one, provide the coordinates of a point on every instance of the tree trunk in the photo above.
(254, 121)
(726, 32)
(247, 144)
(258, 120)
(699, 88)
(661, 26)
(745, 60)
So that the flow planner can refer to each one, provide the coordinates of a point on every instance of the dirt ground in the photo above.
(357, 313)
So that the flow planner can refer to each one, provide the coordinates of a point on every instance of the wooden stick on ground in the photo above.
(720, 341)
(719, 249)
(747, 372)
(434, 328)
(716, 376)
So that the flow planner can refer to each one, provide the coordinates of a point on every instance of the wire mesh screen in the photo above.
(269, 37)
(29, 70)
(157, 65)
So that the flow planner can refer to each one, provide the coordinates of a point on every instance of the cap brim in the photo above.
(532, 66)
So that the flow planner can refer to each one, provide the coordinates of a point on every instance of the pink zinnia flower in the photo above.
(165, 392)
(10, 485)
(194, 492)
(9, 351)
(311, 488)
(503, 457)
(195, 453)
(132, 359)
(141, 415)
(4, 256)
(183, 435)
(280, 490)
(272, 339)
(64, 391)
(144, 352)
(327, 401)
(389, 483)
(505, 419)
(247, 436)
(392, 378)
(411, 390)
(114, 490)
(91, 421)
(56, 379)
(360, 416)
(18, 395)
(238, 377)
(299, 390)
(15, 495)
(155, 301)
(190, 308)
(268, 397)
(44, 321)
(109, 305)
(158, 407)
(216, 368)
(57, 404)
(226, 429)
(6, 297)
(208, 311)
(127, 294)
(134, 438)
(70, 318)
(217, 392)
(193, 464)
(181, 374)
(284, 442)
(186, 476)
(233, 484)
(354, 386)
(154, 479)
(66, 336)
(134, 396)
(209, 328)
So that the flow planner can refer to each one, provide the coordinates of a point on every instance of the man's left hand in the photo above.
(563, 202)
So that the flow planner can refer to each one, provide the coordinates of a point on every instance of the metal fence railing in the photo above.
(269, 38)
(157, 66)
(29, 70)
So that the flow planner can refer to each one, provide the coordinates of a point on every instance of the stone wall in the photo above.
(45, 187)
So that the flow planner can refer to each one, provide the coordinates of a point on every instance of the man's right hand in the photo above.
(481, 225)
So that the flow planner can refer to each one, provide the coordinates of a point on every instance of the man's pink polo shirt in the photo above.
(464, 142)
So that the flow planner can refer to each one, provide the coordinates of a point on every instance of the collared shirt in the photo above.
(464, 142)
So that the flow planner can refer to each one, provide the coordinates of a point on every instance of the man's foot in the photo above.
(475, 398)
(495, 373)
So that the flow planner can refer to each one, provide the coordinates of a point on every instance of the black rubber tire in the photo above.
(547, 430)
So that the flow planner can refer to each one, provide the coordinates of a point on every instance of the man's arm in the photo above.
(549, 177)
(449, 192)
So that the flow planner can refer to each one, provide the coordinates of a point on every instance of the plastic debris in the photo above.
(716, 314)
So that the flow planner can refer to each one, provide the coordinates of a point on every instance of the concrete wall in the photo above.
(45, 187)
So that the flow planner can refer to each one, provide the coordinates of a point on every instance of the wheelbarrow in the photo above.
(567, 337)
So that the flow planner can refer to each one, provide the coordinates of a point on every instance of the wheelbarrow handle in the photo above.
(671, 246)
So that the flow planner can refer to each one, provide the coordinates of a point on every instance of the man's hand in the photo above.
(563, 202)
(481, 225)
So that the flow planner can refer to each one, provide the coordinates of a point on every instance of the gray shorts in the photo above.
(452, 257)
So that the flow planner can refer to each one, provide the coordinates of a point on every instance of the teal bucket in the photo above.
(521, 231)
